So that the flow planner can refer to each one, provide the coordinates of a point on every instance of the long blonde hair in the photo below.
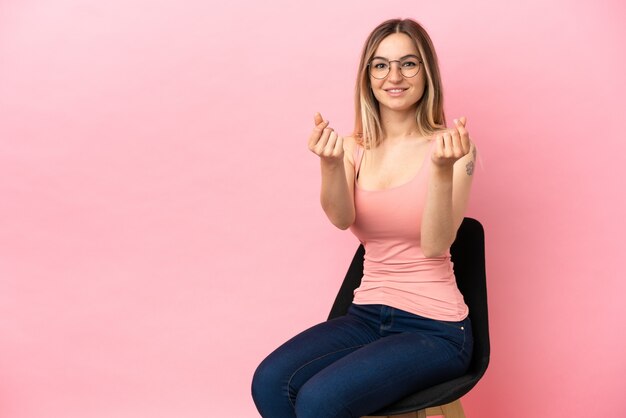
(429, 113)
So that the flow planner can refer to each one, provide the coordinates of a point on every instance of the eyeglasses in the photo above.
(409, 67)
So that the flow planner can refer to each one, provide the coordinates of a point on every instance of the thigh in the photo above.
(293, 363)
(379, 374)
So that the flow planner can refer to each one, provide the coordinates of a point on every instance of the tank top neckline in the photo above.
(360, 189)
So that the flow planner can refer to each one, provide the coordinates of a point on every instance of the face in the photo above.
(396, 91)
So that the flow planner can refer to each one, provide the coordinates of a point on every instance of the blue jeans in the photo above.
(356, 364)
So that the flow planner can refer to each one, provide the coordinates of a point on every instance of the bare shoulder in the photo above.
(349, 146)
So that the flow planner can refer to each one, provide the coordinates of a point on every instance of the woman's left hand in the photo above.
(451, 145)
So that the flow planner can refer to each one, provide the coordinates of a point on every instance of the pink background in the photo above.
(160, 228)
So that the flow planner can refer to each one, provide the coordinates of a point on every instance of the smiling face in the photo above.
(395, 91)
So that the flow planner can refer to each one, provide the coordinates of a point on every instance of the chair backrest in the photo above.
(468, 256)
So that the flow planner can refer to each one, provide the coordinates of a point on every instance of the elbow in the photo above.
(436, 249)
(342, 218)
(431, 252)
(343, 224)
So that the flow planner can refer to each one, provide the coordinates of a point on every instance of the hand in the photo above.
(451, 145)
(325, 142)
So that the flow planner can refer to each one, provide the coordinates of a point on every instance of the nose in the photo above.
(394, 72)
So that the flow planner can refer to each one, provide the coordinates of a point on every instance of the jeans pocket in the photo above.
(460, 325)
(459, 333)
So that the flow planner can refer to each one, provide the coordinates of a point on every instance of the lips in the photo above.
(396, 91)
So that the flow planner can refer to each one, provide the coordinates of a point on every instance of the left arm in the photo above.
(448, 190)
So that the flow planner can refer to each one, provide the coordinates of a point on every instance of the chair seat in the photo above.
(451, 410)
(433, 396)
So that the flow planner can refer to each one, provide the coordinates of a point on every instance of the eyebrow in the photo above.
(401, 58)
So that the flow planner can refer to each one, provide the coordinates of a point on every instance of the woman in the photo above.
(401, 183)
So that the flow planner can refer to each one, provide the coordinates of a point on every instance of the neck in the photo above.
(398, 125)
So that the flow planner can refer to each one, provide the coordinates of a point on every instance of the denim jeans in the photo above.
(354, 365)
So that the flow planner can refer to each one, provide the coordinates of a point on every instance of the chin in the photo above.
(399, 106)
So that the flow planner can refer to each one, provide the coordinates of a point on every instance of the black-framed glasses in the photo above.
(409, 66)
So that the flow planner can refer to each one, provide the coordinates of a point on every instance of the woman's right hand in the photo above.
(336, 196)
(324, 141)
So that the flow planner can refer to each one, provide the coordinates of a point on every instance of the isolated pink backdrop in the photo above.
(160, 229)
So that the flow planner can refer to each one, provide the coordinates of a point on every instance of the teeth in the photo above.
(396, 90)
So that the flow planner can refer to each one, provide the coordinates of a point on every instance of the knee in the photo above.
(317, 401)
(269, 389)
(264, 382)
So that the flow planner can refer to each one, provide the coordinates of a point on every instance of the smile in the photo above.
(396, 92)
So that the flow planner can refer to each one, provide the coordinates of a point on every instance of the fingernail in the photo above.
(456, 121)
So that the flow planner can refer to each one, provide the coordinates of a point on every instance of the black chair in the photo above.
(468, 256)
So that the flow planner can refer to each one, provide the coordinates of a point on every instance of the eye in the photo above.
(409, 64)
(380, 65)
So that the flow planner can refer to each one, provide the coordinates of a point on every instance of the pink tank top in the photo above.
(396, 272)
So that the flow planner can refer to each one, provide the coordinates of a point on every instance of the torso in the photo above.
(389, 198)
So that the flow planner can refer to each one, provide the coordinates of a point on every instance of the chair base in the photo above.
(451, 410)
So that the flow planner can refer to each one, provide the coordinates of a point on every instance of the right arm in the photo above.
(337, 194)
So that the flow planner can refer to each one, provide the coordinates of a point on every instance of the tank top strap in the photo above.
(432, 147)
(358, 157)
(426, 163)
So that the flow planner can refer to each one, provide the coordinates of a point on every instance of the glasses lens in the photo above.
(379, 68)
(410, 67)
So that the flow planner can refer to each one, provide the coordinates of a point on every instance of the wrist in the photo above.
(443, 172)
(331, 164)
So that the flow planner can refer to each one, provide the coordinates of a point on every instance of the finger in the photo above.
(466, 144)
(439, 147)
(330, 145)
(338, 146)
(457, 148)
(460, 127)
(317, 119)
(465, 141)
(316, 134)
(315, 137)
(323, 140)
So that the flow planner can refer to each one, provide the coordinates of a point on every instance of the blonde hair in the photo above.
(429, 113)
